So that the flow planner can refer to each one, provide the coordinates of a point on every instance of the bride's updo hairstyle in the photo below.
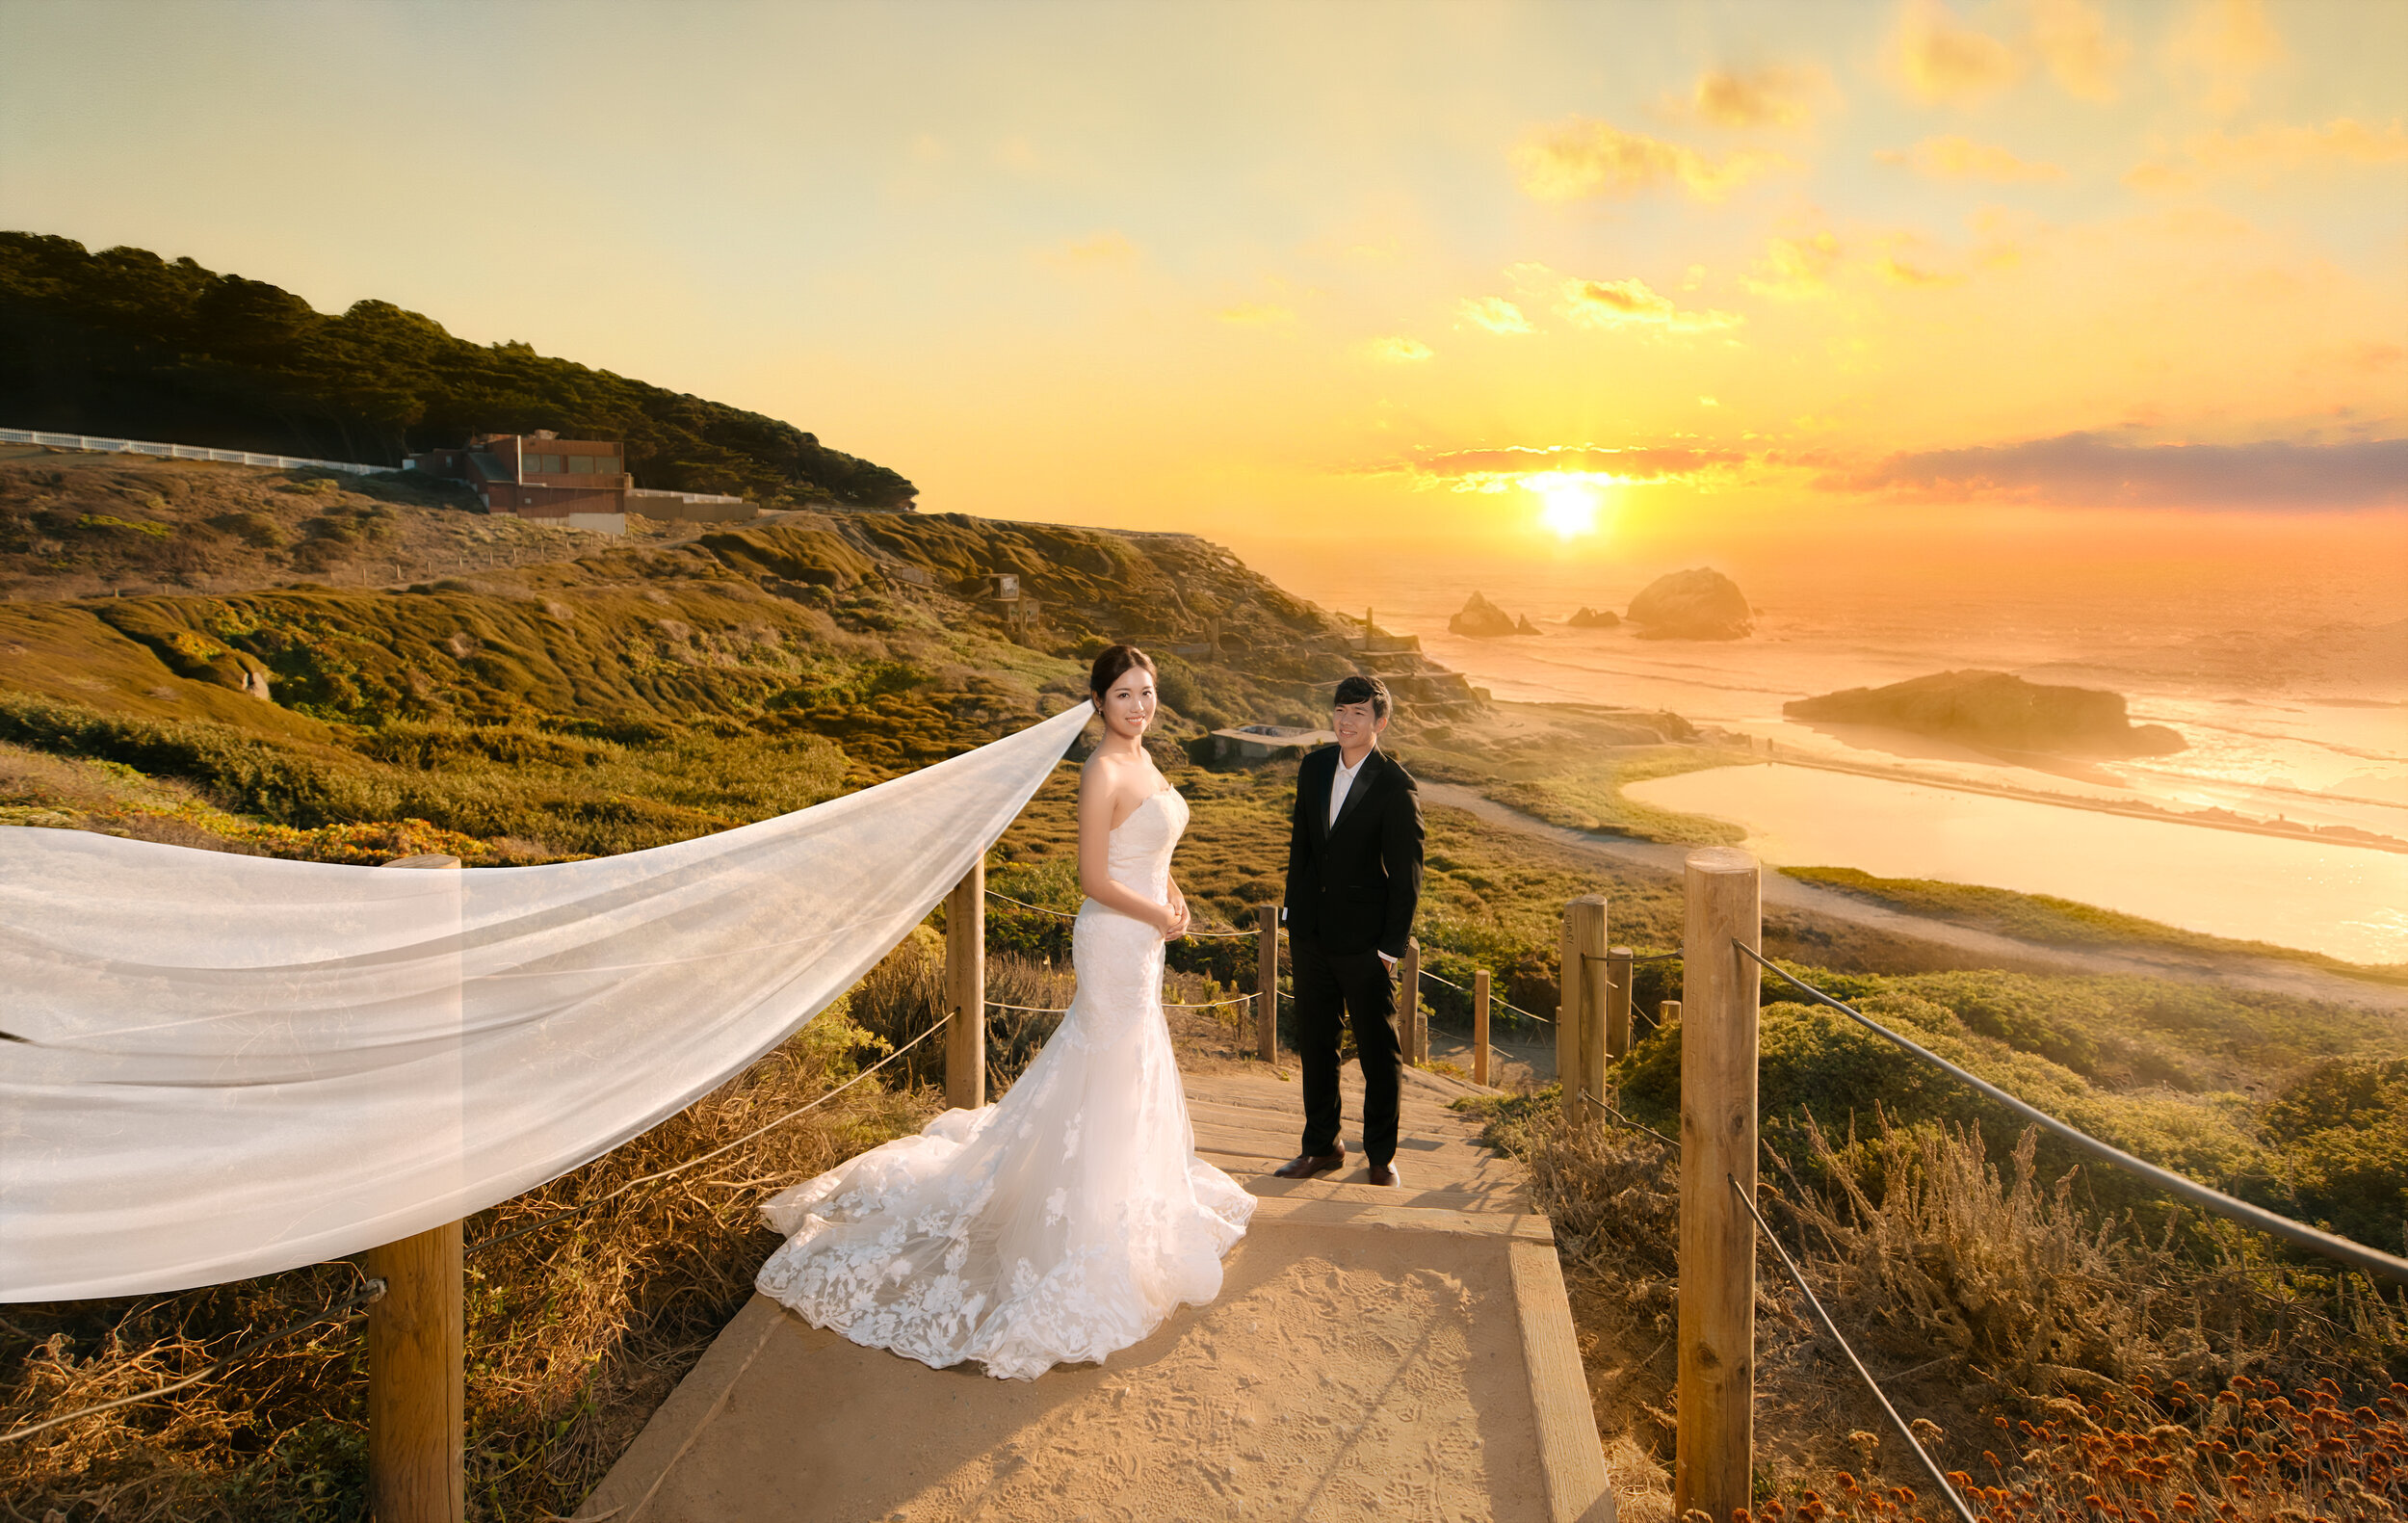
(1115, 663)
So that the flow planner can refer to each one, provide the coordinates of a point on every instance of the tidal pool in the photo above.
(2346, 902)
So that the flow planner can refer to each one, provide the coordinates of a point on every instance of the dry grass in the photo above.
(575, 1330)
(2032, 1337)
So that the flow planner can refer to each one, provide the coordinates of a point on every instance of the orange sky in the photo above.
(1707, 273)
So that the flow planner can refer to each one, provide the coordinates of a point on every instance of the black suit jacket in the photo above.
(1353, 886)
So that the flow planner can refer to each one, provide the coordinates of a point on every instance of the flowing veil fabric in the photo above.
(216, 1066)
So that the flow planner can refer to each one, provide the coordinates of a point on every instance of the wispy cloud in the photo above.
(1256, 314)
(2275, 148)
(1955, 158)
(1494, 313)
(1795, 269)
(2083, 55)
(2228, 43)
(1775, 95)
(1491, 469)
(2091, 470)
(1581, 158)
(1941, 59)
(1105, 250)
(1635, 303)
(1397, 350)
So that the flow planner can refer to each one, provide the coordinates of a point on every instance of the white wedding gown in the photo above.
(1057, 1225)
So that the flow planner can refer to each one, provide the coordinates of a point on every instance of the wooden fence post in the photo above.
(1618, 1003)
(1587, 917)
(1667, 1011)
(1266, 983)
(1413, 1021)
(1715, 1398)
(417, 1396)
(1479, 1025)
(1568, 1019)
(965, 989)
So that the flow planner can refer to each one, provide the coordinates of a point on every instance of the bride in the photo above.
(1068, 1218)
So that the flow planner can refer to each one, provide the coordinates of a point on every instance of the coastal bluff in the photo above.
(1997, 709)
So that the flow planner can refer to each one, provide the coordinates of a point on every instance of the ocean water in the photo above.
(2286, 673)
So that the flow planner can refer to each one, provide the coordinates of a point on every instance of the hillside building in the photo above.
(581, 483)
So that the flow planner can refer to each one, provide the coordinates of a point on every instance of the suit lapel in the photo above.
(1317, 805)
(1363, 781)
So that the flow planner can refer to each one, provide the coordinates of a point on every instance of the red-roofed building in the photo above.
(583, 483)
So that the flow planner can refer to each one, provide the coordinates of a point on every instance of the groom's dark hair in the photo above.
(1360, 688)
(1114, 662)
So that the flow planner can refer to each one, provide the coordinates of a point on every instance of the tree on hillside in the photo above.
(124, 343)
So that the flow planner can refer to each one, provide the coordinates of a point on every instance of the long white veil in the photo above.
(216, 1066)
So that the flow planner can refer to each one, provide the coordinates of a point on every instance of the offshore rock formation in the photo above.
(1593, 619)
(1999, 710)
(1482, 620)
(1699, 604)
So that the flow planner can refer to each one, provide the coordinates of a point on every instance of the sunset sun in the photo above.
(1567, 502)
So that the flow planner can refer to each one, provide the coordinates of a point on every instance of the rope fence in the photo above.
(1607, 1109)
(1931, 1466)
(2357, 1256)
(1066, 914)
(1065, 1010)
(582, 1207)
(1493, 998)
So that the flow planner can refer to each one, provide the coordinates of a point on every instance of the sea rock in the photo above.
(1997, 709)
(1699, 604)
(1593, 619)
(1482, 620)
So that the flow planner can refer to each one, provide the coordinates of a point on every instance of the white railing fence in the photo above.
(180, 452)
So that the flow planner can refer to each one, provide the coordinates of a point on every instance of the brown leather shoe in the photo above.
(1304, 1166)
(1386, 1174)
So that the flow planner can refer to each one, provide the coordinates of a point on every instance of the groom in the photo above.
(1355, 875)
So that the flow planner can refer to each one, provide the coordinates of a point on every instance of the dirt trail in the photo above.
(1785, 895)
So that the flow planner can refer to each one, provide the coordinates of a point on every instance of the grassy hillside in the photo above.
(129, 345)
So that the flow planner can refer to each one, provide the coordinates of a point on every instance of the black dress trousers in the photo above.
(1345, 986)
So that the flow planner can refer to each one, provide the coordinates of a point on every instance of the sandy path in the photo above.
(1783, 894)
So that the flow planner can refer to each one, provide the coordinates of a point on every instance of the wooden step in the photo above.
(1298, 1211)
(1503, 1196)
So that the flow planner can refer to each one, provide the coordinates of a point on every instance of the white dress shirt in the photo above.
(1340, 783)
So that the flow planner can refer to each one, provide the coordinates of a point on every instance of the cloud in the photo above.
(1397, 349)
(1897, 272)
(2073, 40)
(1794, 269)
(1105, 251)
(2085, 470)
(1942, 61)
(2229, 41)
(2276, 147)
(1495, 469)
(1776, 96)
(1634, 303)
(1955, 158)
(1256, 314)
(1580, 157)
(1494, 313)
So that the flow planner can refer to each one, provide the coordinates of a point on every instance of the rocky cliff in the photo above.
(1482, 620)
(1699, 604)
